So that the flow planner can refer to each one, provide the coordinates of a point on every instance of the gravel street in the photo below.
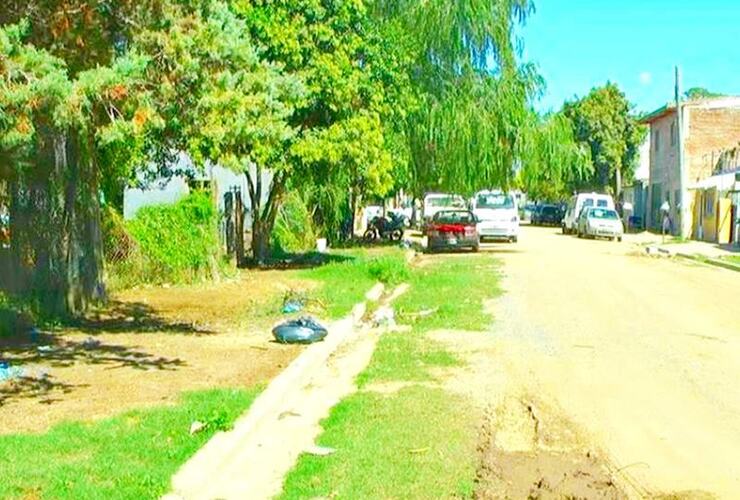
(642, 354)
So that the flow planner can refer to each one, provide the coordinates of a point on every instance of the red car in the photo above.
(452, 229)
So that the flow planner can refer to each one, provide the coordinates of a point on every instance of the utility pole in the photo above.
(683, 203)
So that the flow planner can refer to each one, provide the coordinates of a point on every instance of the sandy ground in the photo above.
(640, 355)
(148, 347)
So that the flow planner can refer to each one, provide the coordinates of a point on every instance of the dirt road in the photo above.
(642, 354)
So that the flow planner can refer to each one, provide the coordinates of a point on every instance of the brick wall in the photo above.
(710, 132)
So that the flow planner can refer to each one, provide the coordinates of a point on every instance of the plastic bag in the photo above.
(299, 331)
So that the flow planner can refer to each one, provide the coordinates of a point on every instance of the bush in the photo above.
(172, 243)
(294, 230)
(389, 269)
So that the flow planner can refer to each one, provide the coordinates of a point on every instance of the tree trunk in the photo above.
(56, 221)
(263, 216)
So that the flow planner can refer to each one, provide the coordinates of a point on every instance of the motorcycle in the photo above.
(386, 228)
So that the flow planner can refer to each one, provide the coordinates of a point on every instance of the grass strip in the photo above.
(131, 456)
(346, 279)
(419, 442)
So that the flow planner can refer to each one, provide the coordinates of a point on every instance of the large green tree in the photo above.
(605, 122)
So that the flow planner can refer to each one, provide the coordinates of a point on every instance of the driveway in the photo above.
(642, 354)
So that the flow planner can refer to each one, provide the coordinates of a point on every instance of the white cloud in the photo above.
(646, 78)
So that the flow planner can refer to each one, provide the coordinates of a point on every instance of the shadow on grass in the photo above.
(290, 261)
(131, 317)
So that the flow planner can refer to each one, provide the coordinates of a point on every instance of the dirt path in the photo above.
(641, 355)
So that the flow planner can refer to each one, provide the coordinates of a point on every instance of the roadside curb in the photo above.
(712, 262)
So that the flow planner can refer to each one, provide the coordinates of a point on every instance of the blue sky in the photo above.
(579, 44)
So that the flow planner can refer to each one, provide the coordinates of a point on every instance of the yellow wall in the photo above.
(717, 226)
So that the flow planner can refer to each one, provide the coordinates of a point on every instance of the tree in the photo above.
(604, 121)
(473, 94)
(553, 163)
(52, 127)
(695, 93)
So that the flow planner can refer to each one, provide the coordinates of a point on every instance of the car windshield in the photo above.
(454, 217)
(598, 213)
(549, 210)
(494, 201)
(445, 201)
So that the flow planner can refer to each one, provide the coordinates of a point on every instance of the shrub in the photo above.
(294, 231)
(389, 269)
(172, 243)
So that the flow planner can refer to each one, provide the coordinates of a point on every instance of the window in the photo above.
(673, 134)
(495, 201)
(656, 139)
(602, 203)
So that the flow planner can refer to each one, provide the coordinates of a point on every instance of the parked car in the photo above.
(437, 202)
(547, 215)
(576, 205)
(450, 229)
(497, 214)
(600, 223)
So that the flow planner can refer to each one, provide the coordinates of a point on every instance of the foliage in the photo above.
(695, 93)
(176, 243)
(294, 229)
(604, 121)
(553, 163)
(130, 456)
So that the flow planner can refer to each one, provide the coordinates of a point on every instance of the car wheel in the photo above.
(476, 248)
(370, 236)
(619, 239)
(514, 239)
(397, 235)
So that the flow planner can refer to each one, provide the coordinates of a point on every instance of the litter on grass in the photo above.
(299, 331)
(384, 317)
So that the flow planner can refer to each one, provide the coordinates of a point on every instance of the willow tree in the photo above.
(474, 96)
(553, 163)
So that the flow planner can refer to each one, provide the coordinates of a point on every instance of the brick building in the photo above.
(711, 127)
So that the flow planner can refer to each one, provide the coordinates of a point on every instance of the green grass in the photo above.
(420, 442)
(131, 456)
(417, 443)
(734, 259)
(345, 283)
(455, 288)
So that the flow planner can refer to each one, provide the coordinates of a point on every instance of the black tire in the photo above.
(619, 239)
(370, 236)
(476, 248)
(514, 239)
(396, 235)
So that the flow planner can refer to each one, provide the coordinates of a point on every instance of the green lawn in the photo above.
(344, 283)
(420, 442)
(131, 456)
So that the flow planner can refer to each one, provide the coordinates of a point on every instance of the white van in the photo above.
(498, 215)
(436, 202)
(580, 201)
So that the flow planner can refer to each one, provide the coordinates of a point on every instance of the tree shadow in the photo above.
(291, 261)
(132, 317)
(33, 360)
(43, 387)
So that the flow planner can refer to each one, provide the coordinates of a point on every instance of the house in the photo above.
(711, 127)
(717, 207)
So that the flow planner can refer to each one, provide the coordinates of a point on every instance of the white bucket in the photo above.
(321, 245)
